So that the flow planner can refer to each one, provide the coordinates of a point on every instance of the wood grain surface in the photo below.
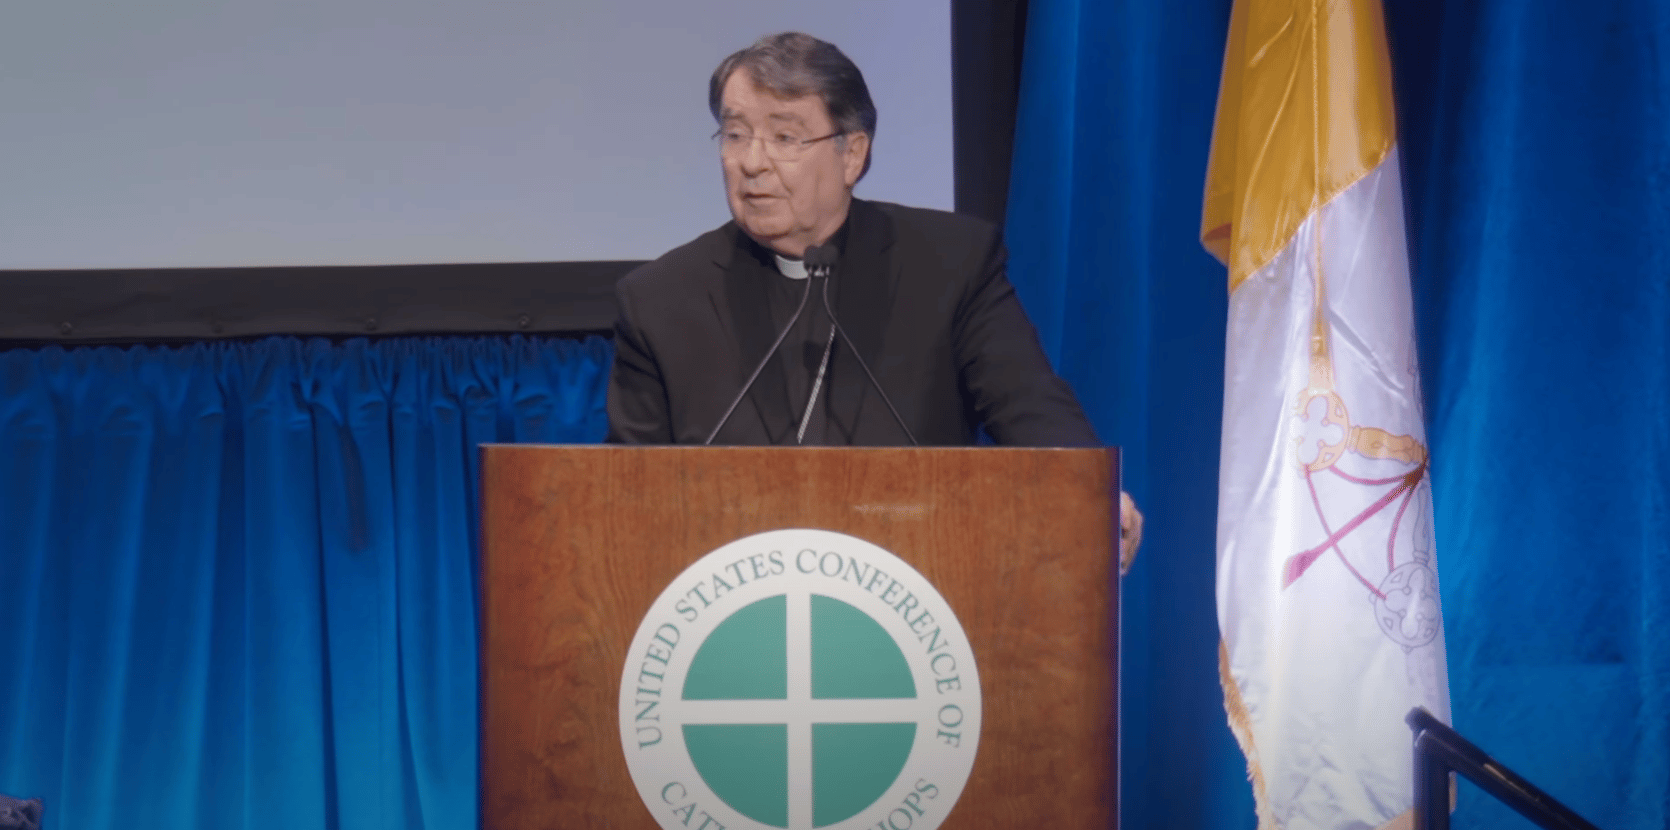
(579, 541)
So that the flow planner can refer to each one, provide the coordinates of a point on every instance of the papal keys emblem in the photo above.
(1353, 463)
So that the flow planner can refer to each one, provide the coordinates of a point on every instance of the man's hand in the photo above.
(1130, 531)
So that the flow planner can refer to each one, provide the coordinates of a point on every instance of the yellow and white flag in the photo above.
(1327, 576)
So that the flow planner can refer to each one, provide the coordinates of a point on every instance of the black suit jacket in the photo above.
(923, 295)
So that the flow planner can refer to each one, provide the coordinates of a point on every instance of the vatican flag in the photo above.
(1327, 577)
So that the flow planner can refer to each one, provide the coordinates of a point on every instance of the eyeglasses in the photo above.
(779, 146)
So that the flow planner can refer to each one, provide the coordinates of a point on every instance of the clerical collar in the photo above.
(794, 269)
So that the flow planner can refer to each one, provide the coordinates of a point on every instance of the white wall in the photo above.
(177, 133)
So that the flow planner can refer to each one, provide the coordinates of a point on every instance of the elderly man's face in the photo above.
(786, 204)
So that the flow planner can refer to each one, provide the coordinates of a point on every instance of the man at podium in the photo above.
(815, 318)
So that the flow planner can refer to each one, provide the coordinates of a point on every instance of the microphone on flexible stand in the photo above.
(822, 258)
(820, 262)
(775, 345)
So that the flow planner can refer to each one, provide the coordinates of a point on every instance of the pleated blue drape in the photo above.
(1536, 143)
(239, 578)
(1541, 196)
(1114, 125)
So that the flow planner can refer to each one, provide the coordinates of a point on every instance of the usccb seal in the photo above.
(800, 679)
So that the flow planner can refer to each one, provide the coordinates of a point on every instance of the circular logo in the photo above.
(800, 679)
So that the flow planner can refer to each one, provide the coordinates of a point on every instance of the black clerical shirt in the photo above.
(806, 348)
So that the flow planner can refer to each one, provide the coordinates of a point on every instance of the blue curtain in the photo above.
(239, 578)
(1536, 144)
(1115, 121)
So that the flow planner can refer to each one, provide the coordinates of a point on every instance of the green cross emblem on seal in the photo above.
(800, 679)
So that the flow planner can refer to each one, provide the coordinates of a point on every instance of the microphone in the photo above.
(820, 260)
(775, 344)
(826, 260)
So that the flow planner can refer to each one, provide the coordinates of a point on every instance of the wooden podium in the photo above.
(579, 541)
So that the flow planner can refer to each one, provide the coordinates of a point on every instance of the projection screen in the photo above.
(195, 133)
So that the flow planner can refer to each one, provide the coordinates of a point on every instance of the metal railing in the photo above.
(1440, 750)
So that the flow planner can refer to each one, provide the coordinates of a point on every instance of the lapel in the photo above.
(865, 283)
(745, 264)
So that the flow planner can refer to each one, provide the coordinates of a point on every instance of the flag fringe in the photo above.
(1241, 724)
